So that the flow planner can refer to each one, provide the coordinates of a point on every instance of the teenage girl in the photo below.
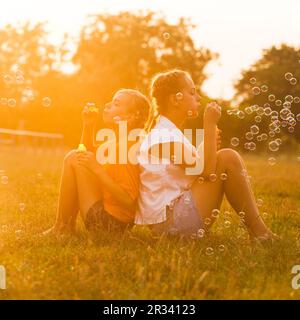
(170, 199)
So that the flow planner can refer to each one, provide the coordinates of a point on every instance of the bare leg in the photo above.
(236, 187)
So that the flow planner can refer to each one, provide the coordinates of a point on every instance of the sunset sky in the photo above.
(237, 30)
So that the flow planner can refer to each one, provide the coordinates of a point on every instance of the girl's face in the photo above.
(118, 109)
(189, 101)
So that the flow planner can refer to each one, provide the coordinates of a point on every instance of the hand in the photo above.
(89, 116)
(219, 139)
(212, 113)
(88, 160)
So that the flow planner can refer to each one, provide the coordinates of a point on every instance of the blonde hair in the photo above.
(163, 85)
(142, 107)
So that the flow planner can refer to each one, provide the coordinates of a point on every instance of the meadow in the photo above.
(225, 265)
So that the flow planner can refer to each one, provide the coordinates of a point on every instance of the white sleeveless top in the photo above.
(161, 181)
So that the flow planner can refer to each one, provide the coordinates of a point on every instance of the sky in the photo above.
(237, 30)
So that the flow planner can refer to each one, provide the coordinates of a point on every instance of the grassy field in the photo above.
(134, 265)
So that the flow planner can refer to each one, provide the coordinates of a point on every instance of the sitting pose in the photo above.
(175, 198)
(105, 194)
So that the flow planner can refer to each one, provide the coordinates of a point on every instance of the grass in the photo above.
(134, 265)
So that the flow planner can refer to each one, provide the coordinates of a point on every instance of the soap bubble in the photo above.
(272, 161)
(288, 76)
(201, 180)
(249, 135)
(289, 98)
(254, 129)
(278, 103)
(264, 136)
(264, 88)
(257, 119)
(4, 180)
(252, 146)
(166, 35)
(242, 214)
(227, 224)
(221, 248)
(207, 221)
(215, 213)
(252, 80)
(212, 177)
(291, 129)
(223, 176)
(265, 215)
(190, 113)
(46, 102)
(267, 111)
(293, 81)
(273, 146)
(8, 79)
(298, 117)
(271, 134)
(271, 97)
(234, 141)
(284, 114)
(209, 251)
(22, 206)
(259, 202)
(11, 102)
(179, 95)
(256, 91)
(260, 111)
(200, 233)
(248, 110)
(241, 115)
(296, 100)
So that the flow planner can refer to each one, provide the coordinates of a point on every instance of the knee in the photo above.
(229, 157)
(70, 158)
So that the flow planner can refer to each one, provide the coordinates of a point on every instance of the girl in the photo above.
(171, 200)
(104, 195)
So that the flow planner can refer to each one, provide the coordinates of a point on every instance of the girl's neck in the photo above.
(175, 118)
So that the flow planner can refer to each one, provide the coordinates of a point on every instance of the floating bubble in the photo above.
(212, 177)
(252, 146)
(298, 117)
(248, 110)
(227, 223)
(221, 248)
(256, 91)
(272, 161)
(288, 76)
(279, 141)
(296, 100)
(209, 251)
(258, 138)
(11, 102)
(200, 233)
(241, 115)
(291, 129)
(252, 80)
(4, 180)
(249, 135)
(190, 113)
(207, 221)
(19, 233)
(259, 202)
(284, 113)
(46, 102)
(271, 134)
(293, 81)
(179, 95)
(257, 119)
(22, 206)
(234, 141)
(271, 97)
(201, 180)
(264, 88)
(166, 35)
(289, 98)
(265, 215)
(215, 213)
(274, 125)
(264, 136)
(273, 146)
(8, 79)
(223, 176)
(254, 129)
(242, 214)
(260, 111)
(278, 103)
(283, 124)
(267, 111)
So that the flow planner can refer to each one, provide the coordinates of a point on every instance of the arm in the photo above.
(88, 160)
